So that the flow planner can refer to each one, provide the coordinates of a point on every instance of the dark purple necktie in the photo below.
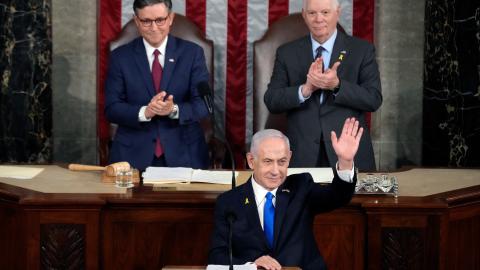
(157, 77)
(318, 55)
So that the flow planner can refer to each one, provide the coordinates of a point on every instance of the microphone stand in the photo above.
(227, 144)
(230, 218)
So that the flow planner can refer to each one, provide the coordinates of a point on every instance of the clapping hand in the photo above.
(161, 104)
(346, 145)
(319, 79)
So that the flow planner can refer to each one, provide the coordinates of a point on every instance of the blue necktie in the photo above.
(268, 218)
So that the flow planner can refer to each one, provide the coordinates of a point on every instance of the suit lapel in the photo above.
(170, 61)
(339, 49)
(252, 212)
(339, 53)
(281, 205)
(304, 54)
(142, 64)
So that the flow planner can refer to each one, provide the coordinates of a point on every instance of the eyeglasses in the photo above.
(158, 21)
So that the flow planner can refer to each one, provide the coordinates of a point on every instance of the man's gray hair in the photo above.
(265, 134)
(335, 4)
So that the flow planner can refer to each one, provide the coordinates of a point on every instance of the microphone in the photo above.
(206, 93)
(204, 90)
(231, 218)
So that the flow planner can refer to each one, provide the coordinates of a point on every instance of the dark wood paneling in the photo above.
(11, 237)
(62, 246)
(403, 248)
(464, 232)
(153, 238)
(147, 229)
(49, 232)
(340, 238)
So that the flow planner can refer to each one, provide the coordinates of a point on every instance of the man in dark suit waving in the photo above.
(151, 93)
(274, 213)
(321, 79)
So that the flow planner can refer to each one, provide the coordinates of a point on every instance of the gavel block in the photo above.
(111, 179)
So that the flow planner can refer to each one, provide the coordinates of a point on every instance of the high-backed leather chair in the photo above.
(282, 31)
(183, 28)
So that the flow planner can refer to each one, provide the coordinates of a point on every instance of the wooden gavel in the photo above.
(110, 170)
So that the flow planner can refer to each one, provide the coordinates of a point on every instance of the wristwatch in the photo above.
(174, 112)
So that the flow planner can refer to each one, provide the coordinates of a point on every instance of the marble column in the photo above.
(397, 125)
(74, 26)
(25, 75)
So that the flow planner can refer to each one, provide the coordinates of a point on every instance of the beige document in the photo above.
(19, 172)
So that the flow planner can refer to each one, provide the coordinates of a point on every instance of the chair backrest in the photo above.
(282, 31)
(183, 28)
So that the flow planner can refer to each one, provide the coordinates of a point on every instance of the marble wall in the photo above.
(452, 88)
(25, 75)
(400, 131)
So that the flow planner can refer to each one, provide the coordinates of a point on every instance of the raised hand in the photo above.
(346, 145)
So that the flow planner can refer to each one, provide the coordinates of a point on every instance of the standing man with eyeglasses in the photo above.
(151, 93)
(320, 79)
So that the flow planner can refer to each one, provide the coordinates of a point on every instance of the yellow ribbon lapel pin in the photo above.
(342, 55)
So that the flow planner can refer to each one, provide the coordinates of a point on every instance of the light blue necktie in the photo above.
(268, 218)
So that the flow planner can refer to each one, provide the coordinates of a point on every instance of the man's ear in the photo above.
(172, 17)
(250, 159)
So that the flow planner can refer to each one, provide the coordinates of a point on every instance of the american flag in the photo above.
(233, 26)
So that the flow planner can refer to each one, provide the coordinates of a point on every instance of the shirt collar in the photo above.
(327, 45)
(260, 192)
(150, 49)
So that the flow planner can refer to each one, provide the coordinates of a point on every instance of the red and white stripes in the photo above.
(233, 25)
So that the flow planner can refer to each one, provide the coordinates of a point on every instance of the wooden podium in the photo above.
(173, 267)
(148, 229)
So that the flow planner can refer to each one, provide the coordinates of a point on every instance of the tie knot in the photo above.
(156, 53)
(319, 51)
(269, 196)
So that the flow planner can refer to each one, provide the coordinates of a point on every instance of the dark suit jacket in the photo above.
(298, 200)
(129, 86)
(359, 92)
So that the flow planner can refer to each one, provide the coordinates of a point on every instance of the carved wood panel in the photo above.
(403, 248)
(62, 246)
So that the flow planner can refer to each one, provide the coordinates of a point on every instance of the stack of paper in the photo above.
(319, 175)
(19, 172)
(166, 175)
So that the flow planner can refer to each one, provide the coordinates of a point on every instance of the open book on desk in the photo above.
(167, 175)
